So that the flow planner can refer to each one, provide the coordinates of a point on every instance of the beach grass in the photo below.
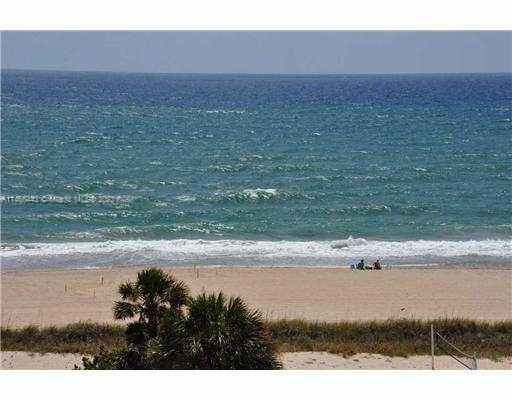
(82, 337)
(394, 338)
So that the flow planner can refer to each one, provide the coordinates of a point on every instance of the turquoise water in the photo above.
(219, 169)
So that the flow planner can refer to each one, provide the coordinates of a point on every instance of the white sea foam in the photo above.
(222, 111)
(260, 193)
(244, 252)
(341, 244)
(186, 198)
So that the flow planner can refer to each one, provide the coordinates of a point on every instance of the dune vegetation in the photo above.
(402, 337)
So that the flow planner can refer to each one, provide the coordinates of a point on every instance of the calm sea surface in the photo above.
(150, 169)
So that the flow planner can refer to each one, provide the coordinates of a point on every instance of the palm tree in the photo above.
(149, 298)
(217, 333)
(174, 331)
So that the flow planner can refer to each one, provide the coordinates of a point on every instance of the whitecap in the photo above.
(186, 198)
(341, 244)
(242, 252)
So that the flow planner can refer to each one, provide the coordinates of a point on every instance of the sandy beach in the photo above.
(59, 297)
(299, 360)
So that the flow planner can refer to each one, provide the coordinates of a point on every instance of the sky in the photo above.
(260, 52)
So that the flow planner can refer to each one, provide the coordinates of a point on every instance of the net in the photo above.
(465, 359)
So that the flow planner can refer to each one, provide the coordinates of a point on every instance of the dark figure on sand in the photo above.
(360, 265)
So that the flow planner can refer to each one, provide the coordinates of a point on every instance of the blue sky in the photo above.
(327, 52)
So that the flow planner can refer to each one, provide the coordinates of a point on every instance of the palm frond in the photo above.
(177, 294)
(153, 282)
(136, 334)
(129, 291)
(124, 310)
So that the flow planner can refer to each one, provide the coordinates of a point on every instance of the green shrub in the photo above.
(175, 331)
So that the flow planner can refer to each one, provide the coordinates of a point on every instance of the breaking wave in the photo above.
(246, 252)
(245, 195)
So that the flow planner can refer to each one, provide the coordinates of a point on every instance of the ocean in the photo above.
(112, 169)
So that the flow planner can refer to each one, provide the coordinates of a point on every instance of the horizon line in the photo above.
(2, 69)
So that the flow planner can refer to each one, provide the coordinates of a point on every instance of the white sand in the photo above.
(25, 360)
(63, 296)
(322, 360)
(300, 360)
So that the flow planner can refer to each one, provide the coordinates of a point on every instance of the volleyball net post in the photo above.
(432, 346)
(450, 349)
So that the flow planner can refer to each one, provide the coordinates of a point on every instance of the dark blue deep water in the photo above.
(225, 169)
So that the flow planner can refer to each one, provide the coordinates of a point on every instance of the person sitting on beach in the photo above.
(376, 265)
(360, 265)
